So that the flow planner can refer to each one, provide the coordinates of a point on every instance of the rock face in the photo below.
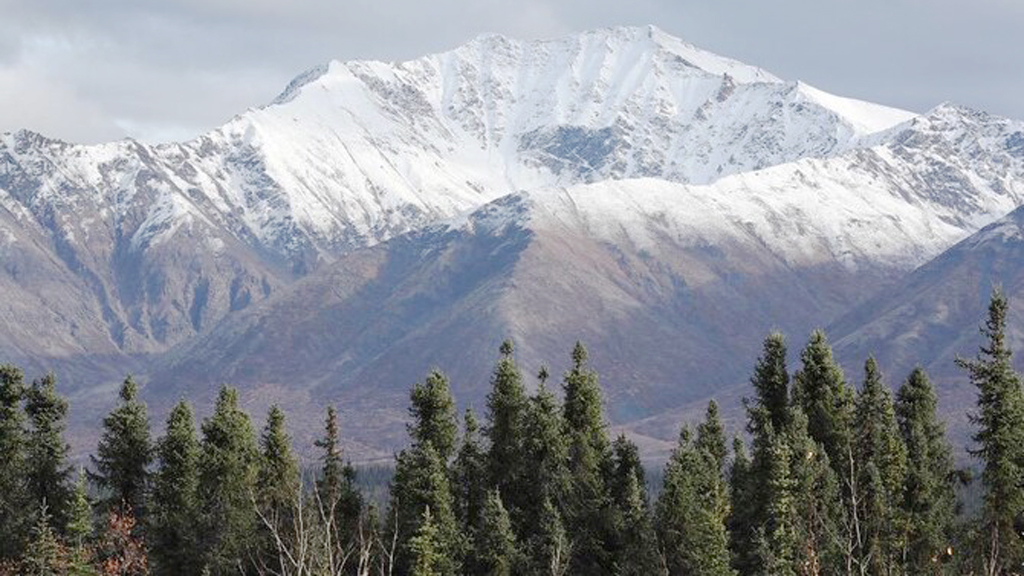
(666, 205)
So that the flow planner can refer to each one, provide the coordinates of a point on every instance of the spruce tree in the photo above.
(711, 437)
(229, 463)
(48, 472)
(337, 494)
(999, 440)
(547, 455)
(636, 551)
(742, 522)
(929, 501)
(496, 549)
(689, 524)
(821, 391)
(277, 491)
(587, 511)
(80, 513)
(776, 539)
(173, 519)
(124, 454)
(881, 460)
(506, 416)
(550, 547)
(15, 507)
(426, 545)
(470, 477)
(44, 556)
(771, 385)
(432, 413)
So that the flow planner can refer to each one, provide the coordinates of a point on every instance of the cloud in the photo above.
(153, 69)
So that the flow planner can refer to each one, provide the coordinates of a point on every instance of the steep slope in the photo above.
(163, 241)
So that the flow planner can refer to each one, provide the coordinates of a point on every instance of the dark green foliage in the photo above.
(433, 415)
(775, 538)
(547, 454)
(999, 441)
(426, 549)
(506, 420)
(336, 492)
(470, 477)
(277, 491)
(588, 513)
(636, 547)
(80, 513)
(881, 468)
(929, 503)
(421, 483)
(550, 546)
(229, 464)
(48, 473)
(174, 503)
(771, 385)
(690, 527)
(820, 390)
(44, 555)
(497, 553)
(711, 437)
(124, 454)
(15, 507)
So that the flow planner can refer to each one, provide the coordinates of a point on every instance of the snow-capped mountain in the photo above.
(674, 172)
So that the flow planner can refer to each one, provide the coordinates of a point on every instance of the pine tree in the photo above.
(776, 538)
(470, 477)
(428, 559)
(496, 547)
(336, 489)
(15, 507)
(80, 513)
(821, 391)
(550, 547)
(174, 504)
(421, 472)
(227, 479)
(277, 490)
(711, 437)
(124, 453)
(433, 416)
(637, 546)
(999, 420)
(771, 386)
(44, 556)
(48, 472)
(506, 416)
(588, 508)
(547, 454)
(742, 522)
(929, 501)
(421, 483)
(690, 528)
(881, 458)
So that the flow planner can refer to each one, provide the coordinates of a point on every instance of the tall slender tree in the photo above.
(547, 455)
(999, 441)
(276, 494)
(229, 463)
(690, 527)
(929, 501)
(496, 546)
(15, 507)
(506, 418)
(470, 477)
(882, 463)
(124, 454)
(337, 496)
(174, 502)
(821, 391)
(48, 473)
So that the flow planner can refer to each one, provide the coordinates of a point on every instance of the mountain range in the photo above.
(664, 205)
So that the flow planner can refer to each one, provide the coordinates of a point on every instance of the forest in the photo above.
(827, 478)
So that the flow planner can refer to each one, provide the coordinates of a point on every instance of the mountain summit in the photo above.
(608, 185)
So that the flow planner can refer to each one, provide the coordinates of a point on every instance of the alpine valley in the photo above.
(666, 206)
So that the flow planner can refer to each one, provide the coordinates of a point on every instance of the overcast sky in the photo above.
(95, 70)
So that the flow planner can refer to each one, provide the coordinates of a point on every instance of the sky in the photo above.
(158, 70)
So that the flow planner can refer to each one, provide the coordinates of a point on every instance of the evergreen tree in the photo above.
(711, 437)
(881, 459)
(690, 528)
(776, 538)
(421, 483)
(470, 477)
(496, 548)
(771, 386)
(587, 511)
(277, 487)
(227, 479)
(742, 522)
(821, 391)
(44, 556)
(336, 486)
(48, 472)
(80, 513)
(15, 507)
(124, 453)
(174, 504)
(506, 416)
(550, 547)
(637, 546)
(433, 416)
(426, 547)
(929, 503)
(547, 455)
(999, 440)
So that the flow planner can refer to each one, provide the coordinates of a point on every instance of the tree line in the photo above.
(828, 479)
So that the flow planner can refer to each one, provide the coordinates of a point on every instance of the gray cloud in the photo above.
(170, 69)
